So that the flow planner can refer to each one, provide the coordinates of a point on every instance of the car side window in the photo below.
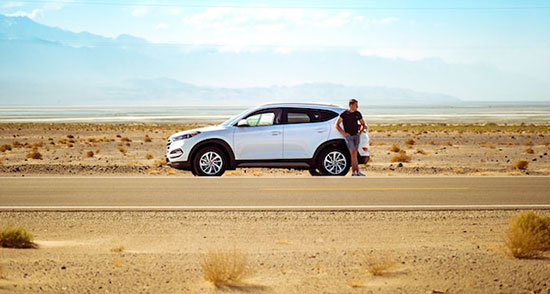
(297, 117)
(261, 119)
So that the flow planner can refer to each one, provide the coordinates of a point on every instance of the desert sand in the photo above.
(123, 149)
(290, 252)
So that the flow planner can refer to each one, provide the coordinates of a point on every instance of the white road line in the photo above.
(277, 207)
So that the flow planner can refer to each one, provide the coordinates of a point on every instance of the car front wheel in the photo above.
(209, 161)
(334, 162)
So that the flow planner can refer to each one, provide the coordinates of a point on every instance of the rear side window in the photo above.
(298, 118)
(305, 115)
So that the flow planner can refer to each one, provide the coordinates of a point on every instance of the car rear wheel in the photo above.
(334, 162)
(210, 162)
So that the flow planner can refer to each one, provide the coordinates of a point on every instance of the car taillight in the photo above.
(365, 148)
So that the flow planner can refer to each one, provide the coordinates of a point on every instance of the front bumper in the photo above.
(183, 165)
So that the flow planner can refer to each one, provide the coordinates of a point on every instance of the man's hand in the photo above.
(346, 134)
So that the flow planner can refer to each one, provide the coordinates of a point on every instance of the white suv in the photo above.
(289, 135)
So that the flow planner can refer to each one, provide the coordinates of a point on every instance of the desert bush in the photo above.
(70, 136)
(376, 265)
(122, 150)
(5, 147)
(159, 163)
(34, 154)
(528, 235)
(148, 156)
(448, 143)
(225, 268)
(420, 151)
(529, 151)
(12, 237)
(394, 148)
(400, 157)
(431, 142)
(410, 142)
(90, 154)
(125, 139)
(18, 144)
(117, 249)
(521, 165)
(528, 143)
(147, 139)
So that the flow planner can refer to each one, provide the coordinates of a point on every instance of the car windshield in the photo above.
(233, 119)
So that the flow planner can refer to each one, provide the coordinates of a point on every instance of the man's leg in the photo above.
(354, 163)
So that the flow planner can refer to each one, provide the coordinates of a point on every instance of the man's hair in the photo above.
(352, 101)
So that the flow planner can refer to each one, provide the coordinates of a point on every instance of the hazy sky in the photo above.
(511, 35)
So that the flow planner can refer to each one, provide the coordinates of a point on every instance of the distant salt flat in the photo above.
(467, 113)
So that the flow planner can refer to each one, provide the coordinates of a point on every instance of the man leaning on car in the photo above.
(354, 125)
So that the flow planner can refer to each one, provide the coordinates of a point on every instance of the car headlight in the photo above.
(185, 136)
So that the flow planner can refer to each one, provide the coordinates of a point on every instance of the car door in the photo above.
(304, 130)
(262, 138)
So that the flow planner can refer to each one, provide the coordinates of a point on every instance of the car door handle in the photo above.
(275, 133)
(321, 130)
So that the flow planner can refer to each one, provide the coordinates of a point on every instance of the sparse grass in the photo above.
(528, 235)
(159, 163)
(400, 157)
(529, 151)
(148, 156)
(225, 268)
(17, 144)
(147, 139)
(431, 142)
(117, 249)
(3, 275)
(122, 150)
(125, 139)
(448, 143)
(5, 147)
(90, 154)
(34, 154)
(410, 142)
(16, 237)
(521, 165)
(376, 265)
(394, 148)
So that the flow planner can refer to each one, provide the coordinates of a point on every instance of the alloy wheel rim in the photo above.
(211, 163)
(335, 162)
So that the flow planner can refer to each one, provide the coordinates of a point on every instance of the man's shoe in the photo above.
(359, 174)
(353, 174)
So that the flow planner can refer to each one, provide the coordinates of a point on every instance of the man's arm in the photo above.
(363, 127)
(339, 128)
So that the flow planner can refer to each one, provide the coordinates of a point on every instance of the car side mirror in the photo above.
(242, 123)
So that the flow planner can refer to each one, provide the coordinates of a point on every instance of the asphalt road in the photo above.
(316, 193)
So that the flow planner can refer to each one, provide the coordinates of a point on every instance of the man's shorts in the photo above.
(352, 142)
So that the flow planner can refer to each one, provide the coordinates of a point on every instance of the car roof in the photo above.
(327, 106)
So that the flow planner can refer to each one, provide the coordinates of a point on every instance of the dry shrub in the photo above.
(431, 142)
(521, 165)
(12, 237)
(122, 150)
(448, 143)
(528, 235)
(125, 139)
(148, 156)
(401, 156)
(377, 265)
(420, 151)
(410, 142)
(394, 148)
(147, 139)
(529, 151)
(159, 163)
(18, 144)
(528, 143)
(5, 147)
(34, 154)
(90, 154)
(225, 268)
(117, 249)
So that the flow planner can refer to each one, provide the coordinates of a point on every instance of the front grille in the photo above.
(168, 145)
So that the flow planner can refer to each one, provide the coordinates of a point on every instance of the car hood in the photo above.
(202, 130)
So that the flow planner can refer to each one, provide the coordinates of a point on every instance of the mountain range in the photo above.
(48, 65)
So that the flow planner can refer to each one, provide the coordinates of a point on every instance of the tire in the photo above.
(209, 162)
(314, 172)
(334, 162)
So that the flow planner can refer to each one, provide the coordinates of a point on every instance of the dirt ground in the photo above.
(290, 252)
(66, 149)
